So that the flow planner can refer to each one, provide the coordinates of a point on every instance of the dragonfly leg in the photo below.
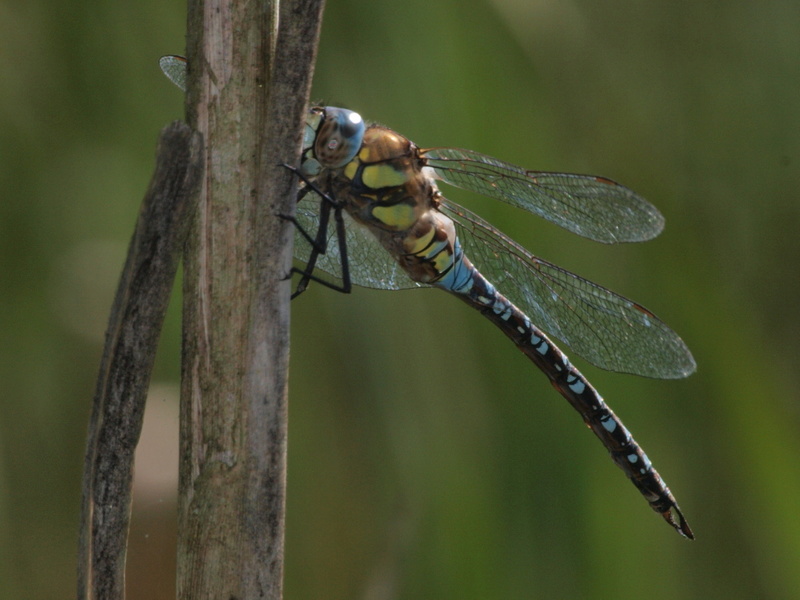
(301, 193)
(319, 243)
(313, 242)
(307, 273)
(306, 277)
(342, 239)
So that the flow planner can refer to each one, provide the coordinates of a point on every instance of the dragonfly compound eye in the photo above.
(339, 137)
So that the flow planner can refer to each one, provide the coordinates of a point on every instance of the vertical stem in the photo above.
(248, 85)
(132, 337)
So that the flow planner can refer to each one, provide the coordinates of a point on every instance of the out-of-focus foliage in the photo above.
(428, 458)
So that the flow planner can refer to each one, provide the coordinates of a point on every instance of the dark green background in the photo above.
(427, 457)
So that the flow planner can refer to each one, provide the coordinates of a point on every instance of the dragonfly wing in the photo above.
(370, 264)
(593, 207)
(174, 67)
(603, 327)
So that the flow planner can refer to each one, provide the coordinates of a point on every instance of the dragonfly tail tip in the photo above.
(675, 517)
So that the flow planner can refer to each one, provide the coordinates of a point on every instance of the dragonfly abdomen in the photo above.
(571, 384)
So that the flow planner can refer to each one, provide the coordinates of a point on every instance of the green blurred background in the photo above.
(427, 457)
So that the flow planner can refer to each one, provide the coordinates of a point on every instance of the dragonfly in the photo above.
(377, 195)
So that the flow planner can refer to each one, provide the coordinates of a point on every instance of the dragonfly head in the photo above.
(332, 138)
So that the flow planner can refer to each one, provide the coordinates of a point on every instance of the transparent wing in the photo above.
(370, 264)
(593, 207)
(174, 67)
(605, 328)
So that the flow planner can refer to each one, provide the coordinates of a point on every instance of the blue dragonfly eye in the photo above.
(340, 133)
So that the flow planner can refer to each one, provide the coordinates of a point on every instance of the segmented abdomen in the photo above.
(475, 290)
